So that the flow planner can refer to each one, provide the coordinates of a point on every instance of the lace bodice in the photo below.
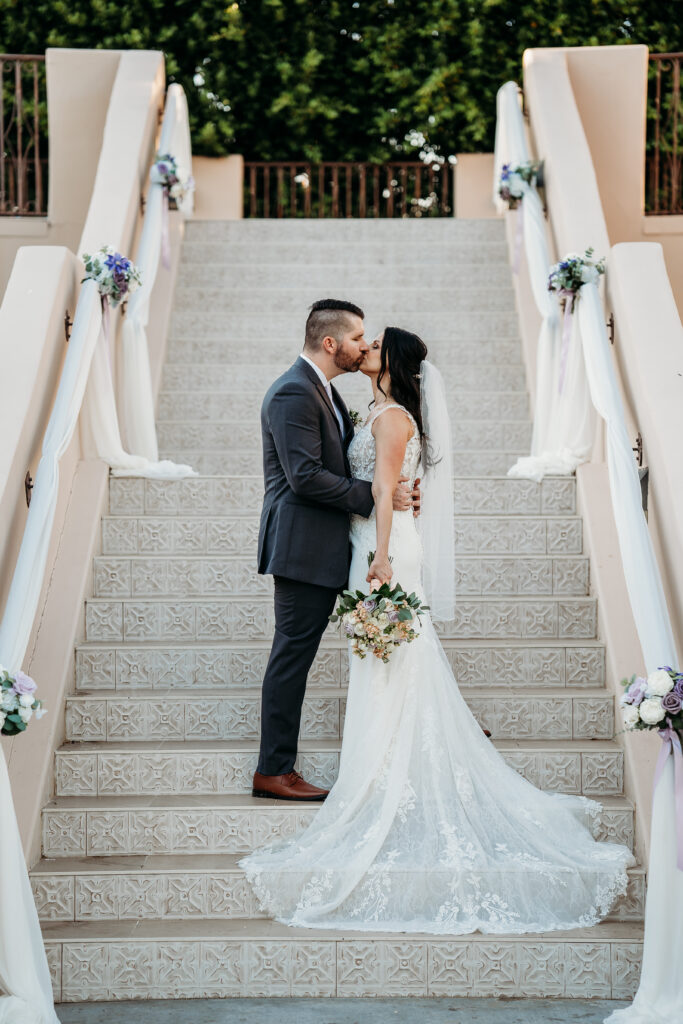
(362, 448)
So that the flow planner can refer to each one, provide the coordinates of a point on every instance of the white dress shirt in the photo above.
(328, 387)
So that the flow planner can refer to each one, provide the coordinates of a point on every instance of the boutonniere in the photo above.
(355, 417)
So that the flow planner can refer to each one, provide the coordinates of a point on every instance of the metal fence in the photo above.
(663, 191)
(23, 141)
(345, 189)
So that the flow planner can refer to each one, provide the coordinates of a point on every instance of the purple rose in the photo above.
(636, 691)
(678, 687)
(24, 683)
(672, 703)
(349, 629)
(369, 604)
(162, 167)
(392, 616)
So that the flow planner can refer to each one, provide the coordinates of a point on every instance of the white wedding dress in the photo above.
(427, 829)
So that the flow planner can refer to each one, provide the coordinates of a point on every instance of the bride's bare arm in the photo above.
(391, 431)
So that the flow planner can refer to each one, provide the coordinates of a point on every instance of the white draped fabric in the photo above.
(660, 997)
(136, 392)
(563, 421)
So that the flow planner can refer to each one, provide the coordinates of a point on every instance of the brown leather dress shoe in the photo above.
(291, 786)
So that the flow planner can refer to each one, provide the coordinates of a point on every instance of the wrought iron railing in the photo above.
(344, 189)
(23, 142)
(663, 185)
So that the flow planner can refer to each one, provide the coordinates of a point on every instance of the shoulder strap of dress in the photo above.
(391, 405)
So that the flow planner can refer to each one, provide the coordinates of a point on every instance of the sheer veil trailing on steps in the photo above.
(436, 522)
(427, 828)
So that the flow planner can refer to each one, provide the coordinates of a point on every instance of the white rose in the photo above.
(631, 716)
(651, 710)
(659, 683)
(383, 618)
(589, 274)
(360, 629)
(25, 714)
(8, 701)
(26, 700)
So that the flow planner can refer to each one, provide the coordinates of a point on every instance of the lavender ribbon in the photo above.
(165, 234)
(671, 744)
(566, 336)
(105, 330)
(518, 237)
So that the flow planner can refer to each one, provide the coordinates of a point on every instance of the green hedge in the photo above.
(338, 79)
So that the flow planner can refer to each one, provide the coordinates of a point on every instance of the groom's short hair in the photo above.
(329, 318)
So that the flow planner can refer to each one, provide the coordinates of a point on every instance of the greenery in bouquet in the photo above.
(355, 418)
(653, 702)
(567, 276)
(18, 703)
(379, 622)
(115, 275)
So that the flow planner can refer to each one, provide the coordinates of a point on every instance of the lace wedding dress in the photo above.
(427, 829)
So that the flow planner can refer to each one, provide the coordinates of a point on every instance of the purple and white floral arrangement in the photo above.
(18, 702)
(567, 276)
(649, 702)
(165, 172)
(512, 179)
(115, 275)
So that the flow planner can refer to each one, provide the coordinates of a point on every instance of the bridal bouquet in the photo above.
(114, 274)
(18, 702)
(567, 276)
(648, 702)
(379, 622)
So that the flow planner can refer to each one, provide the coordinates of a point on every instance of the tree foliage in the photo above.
(339, 79)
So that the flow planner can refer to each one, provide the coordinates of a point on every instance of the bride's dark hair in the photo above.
(401, 355)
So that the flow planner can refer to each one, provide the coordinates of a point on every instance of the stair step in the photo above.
(116, 960)
(127, 667)
(301, 253)
(235, 436)
(218, 324)
(227, 463)
(592, 767)
(333, 278)
(328, 232)
(245, 408)
(234, 535)
(251, 619)
(236, 350)
(218, 495)
(194, 576)
(547, 714)
(193, 376)
(218, 823)
(203, 887)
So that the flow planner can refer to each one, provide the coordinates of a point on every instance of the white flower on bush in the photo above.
(25, 714)
(631, 716)
(26, 700)
(651, 710)
(659, 683)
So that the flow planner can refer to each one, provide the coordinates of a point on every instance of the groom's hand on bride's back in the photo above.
(405, 498)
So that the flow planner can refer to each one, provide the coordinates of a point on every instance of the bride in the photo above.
(427, 829)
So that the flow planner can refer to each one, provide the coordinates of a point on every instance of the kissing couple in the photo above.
(427, 828)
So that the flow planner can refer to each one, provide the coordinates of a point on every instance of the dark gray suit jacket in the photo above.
(309, 490)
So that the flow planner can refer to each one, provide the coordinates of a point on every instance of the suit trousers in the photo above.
(302, 611)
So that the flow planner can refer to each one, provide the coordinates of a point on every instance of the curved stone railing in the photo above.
(45, 281)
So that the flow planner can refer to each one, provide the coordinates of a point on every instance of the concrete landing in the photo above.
(342, 1011)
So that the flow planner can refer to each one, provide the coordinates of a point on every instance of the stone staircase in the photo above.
(139, 888)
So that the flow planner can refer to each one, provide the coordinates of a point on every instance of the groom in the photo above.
(304, 532)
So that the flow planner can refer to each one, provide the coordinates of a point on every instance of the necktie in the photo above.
(328, 388)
